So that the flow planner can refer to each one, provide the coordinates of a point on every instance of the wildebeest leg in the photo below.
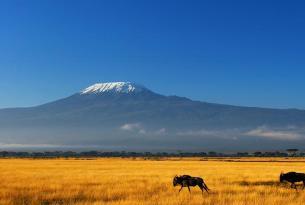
(293, 186)
(189, 189)
(180, 189)
(203, 186)
(206, 187)
(303, 184)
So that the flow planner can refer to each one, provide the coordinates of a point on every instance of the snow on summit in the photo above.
(117, 87)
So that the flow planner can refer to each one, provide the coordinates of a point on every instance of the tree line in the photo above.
(56, 154)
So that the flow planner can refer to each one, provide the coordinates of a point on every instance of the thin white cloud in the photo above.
(198, 133)
(275, 134)
(140, 129)
(51, 146)
(161, 131)
(131, 126)
(134, 127)
(221, 134)
(28, 145)
(287, 133)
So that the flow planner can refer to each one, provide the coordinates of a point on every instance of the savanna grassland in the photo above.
(146, 182)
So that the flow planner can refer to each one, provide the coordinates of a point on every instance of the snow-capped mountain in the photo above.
(128, 116)
(114, 87)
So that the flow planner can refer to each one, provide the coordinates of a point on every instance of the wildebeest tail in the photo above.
(206, 187)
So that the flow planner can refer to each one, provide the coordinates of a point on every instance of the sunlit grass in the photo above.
(137, 182)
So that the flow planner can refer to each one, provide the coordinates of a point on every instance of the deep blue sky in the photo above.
(235, 52)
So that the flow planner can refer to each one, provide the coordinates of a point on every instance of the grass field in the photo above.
(149, 182)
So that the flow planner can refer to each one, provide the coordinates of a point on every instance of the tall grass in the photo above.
(144, 182)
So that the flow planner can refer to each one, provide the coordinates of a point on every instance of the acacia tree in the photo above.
(292, 152)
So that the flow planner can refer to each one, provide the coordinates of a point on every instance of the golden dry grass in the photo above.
(145, 182)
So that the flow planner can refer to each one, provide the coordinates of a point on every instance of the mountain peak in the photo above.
(113, 87)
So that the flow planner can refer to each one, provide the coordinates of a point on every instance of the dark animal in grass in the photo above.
(188, 181)
(293, 177)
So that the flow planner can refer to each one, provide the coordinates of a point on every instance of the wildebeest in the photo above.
(293, 177)
(188, 181)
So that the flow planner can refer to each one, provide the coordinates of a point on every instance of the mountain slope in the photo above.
(124, 115)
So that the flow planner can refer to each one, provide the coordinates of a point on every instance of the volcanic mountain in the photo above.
(128, 116)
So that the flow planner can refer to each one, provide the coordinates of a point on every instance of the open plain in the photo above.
(115, 181)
